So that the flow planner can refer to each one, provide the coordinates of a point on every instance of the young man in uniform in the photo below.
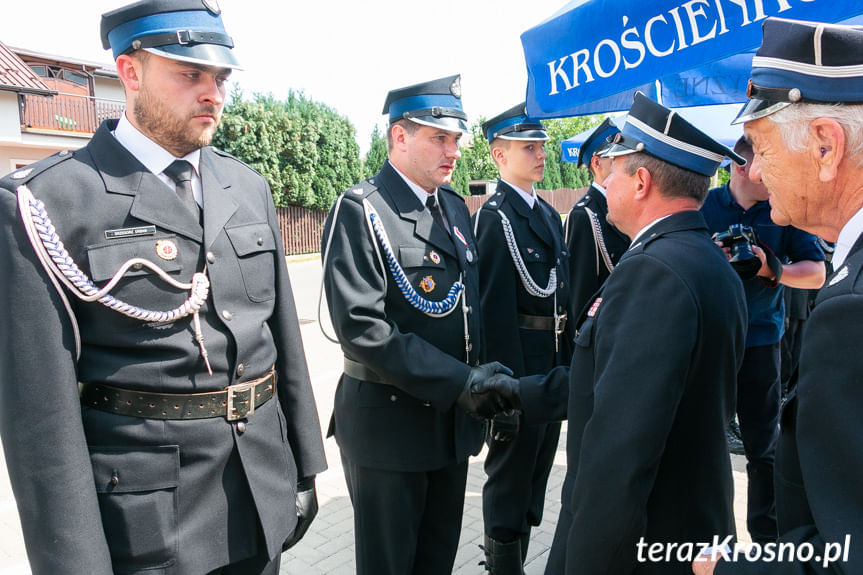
(401, 279)
(196, 427)
(525, 304)
(594, 245)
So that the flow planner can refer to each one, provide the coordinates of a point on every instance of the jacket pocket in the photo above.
(105, 259)
(137, 490)
(256, 250)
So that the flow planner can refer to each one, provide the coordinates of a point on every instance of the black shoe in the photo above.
(502, 558)
(735, 443)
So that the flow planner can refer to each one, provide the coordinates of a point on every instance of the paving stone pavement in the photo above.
(328, 547)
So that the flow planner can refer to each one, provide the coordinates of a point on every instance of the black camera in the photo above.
(740, 239)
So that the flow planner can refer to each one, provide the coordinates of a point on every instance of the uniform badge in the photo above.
(212, 6)
(594, 307)
(840, 275)
(455, 87)
(434, 257)
(166, 249)
(427, 284)
(21, 174)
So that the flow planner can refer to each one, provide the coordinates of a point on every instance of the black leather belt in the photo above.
(236, 401)
(541, 322)
(358, 371)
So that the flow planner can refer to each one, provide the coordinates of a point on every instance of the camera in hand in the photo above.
(740, 239)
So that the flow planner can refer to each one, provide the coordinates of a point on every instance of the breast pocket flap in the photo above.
(127, 470)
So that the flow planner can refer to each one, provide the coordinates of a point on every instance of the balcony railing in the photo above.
(66, 112)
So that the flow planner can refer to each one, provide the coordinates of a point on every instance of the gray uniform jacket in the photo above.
(410, 421)
(100, 493)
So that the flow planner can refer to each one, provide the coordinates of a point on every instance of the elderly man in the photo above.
(805, 122)
(194, 424)
(410, 332)
(651, 383)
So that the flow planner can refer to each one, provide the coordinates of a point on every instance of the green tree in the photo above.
(475, 162)
(560, 174)
(306, 150)
(377, 154)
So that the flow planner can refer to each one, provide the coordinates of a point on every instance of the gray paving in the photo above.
(328, 546)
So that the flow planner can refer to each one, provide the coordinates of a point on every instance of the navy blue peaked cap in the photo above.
(597, 142)
(514, 124)
(804, 62)
(436, 103)
(185, 30)
(654, 129)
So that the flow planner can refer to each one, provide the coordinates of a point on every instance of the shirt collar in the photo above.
(852, 230)
(529, 198)
(421, 194)
(600, 189)
(154, 157)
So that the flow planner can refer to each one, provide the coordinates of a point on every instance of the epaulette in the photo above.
(27, 173)
(449, 190)
(362, 190)
(495, 202)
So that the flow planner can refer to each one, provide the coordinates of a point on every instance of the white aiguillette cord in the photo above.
(59, 265)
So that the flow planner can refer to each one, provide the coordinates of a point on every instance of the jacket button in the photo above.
(211, 258)
(260, 241)
(393, 397)
(241, 427)
(227, 315)
(241, 369)
(115, 478)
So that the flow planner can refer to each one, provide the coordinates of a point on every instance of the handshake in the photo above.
(490, 390)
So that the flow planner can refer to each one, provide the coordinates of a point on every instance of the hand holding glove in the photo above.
(490, 389)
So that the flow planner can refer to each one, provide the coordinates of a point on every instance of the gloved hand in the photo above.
(504, 427)
(307, 508)
(489, 389)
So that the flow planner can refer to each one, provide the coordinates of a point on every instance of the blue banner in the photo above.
(591, 57)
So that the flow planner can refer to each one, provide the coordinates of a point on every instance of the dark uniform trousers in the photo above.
(403, 441)
(103, 493)
(647, 396)
(587, 270)
(518, 470)
(818, 456)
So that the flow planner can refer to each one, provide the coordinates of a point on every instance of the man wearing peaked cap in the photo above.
(651, 383)
(805, 121)
(170, 426)
(594, 245)
(401, 279)
(525, 304)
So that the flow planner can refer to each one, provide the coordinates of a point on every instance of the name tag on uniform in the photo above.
(130, 232)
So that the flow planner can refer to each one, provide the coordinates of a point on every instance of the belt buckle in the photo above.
(241, 400)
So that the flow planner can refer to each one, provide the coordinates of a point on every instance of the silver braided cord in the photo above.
(599, 240)
(59, 264)
(529, 284)
(431, 308)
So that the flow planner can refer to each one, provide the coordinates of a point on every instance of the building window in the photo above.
(41, 71)
(75, 77)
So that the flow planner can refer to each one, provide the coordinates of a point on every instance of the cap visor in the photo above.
(531, 135)
(447, 123)
(756, 108)
(203, 54)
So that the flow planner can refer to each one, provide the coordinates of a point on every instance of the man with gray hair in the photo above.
(805, 121)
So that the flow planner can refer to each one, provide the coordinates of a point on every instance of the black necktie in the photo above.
(431, 204)
(181, 172)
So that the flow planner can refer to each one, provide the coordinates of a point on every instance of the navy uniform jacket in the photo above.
(410, 422)
(819, 458)
(504, 296)
(650, 390)
(587, 270)
(189, 493)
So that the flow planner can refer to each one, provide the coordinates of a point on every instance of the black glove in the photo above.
(307, 508)
(504, 427)
(489, 390)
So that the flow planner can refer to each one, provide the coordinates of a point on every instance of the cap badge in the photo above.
(166, 249)
(434, 257)
(455, 87)
(212, 6)
(427, 284)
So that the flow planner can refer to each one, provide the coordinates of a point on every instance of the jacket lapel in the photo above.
(535, 220)
(409, 208)
(154, 202)
(219, 206)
